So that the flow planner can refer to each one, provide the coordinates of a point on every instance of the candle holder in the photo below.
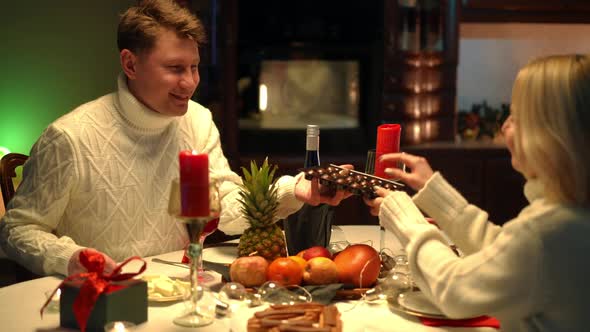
(195, 225)
(194, 317)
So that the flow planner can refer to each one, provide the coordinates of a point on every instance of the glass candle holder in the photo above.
(53, 305)
(119, 326)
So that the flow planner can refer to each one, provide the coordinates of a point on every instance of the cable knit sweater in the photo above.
(532, 273)
(100, 176)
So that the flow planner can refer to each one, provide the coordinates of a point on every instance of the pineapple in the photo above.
(259, 200)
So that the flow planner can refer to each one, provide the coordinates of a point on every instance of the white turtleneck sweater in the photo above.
(100, 177)
(532, 273)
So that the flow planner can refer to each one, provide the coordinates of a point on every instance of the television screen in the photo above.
(294, 93)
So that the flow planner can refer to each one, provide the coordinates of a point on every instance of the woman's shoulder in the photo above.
(561, 225)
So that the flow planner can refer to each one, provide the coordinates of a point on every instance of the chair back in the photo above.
(8, 165)
(10, 271)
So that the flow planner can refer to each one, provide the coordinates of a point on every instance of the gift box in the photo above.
(121, 301)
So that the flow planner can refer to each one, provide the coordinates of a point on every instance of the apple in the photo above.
(299, 260)
(316, 251)
(359, 265)
(249, 271)
(320, 271)
(300, 254)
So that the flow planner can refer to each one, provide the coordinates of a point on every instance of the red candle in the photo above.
(194, 184)
(388, 136)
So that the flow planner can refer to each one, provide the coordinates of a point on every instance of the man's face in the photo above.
(166, 76)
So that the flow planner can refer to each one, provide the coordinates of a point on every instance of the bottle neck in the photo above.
(312, 154)
(312, 143)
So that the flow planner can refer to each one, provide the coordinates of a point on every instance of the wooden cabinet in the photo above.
(396, 79)
(420, 68)
(530, 11)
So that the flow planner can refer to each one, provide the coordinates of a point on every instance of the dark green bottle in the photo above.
(311, 225)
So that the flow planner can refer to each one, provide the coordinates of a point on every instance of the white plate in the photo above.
(165, 298)
(416, 304)
(223, 255)
(416, 301)
(156, 298)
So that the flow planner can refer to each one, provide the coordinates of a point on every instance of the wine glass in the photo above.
(194, 316)
(370, 169)
(210, 227)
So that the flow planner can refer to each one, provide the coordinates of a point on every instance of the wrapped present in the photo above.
(90, 300)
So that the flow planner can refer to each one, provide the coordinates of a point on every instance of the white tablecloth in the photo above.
(20, 303)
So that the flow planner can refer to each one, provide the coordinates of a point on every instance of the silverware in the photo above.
(163, 261)
(220, 268)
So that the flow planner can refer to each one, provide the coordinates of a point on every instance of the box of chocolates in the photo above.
(355, 182)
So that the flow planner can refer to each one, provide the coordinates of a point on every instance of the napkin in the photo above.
(481, 321)
(323, 293)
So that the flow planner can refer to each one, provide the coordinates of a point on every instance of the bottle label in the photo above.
(312, 143)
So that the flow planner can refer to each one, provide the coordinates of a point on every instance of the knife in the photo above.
(220, 268)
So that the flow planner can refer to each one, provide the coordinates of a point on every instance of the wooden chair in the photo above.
(10, 271)
(8, 165)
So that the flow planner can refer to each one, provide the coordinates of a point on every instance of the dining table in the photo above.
(20, 303)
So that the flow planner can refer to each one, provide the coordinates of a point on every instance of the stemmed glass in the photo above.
(194, 316)
(210, 227)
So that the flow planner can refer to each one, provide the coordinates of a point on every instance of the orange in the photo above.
(302, 262)
(285, 271)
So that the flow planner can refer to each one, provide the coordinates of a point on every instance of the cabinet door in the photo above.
(533, 11)
(503, 190)
(528, 5)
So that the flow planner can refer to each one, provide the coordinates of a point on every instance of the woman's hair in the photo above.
(551, 110)
(140, 25)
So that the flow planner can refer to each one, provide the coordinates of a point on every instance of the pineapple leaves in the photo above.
(259, 194)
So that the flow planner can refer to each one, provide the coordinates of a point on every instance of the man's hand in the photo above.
(313, 193)
(75, 267)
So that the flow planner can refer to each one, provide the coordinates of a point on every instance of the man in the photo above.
(99, 176)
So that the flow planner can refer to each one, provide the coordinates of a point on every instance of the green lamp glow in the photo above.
(3, 151)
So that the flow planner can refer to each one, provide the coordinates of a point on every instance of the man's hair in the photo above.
(140, 25)
(551, 110)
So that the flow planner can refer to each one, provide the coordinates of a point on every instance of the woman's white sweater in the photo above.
(532, 273)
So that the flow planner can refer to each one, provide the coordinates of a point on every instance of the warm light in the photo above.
(119, 327)
(421, 130)
(3, 151)
(263, 97)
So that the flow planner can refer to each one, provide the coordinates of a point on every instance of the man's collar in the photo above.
(136, 113)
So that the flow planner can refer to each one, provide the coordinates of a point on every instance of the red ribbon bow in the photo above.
(95, 282)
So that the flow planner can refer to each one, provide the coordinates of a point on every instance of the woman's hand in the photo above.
(420, 170)
(375, 203)
(313, 193)
(402, 217)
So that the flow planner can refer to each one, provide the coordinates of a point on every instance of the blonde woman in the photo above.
(532, 273)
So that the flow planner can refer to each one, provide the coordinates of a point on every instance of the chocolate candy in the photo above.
(357, 183)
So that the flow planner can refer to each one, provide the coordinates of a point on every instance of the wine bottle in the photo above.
(311, 225)
(312, 146)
